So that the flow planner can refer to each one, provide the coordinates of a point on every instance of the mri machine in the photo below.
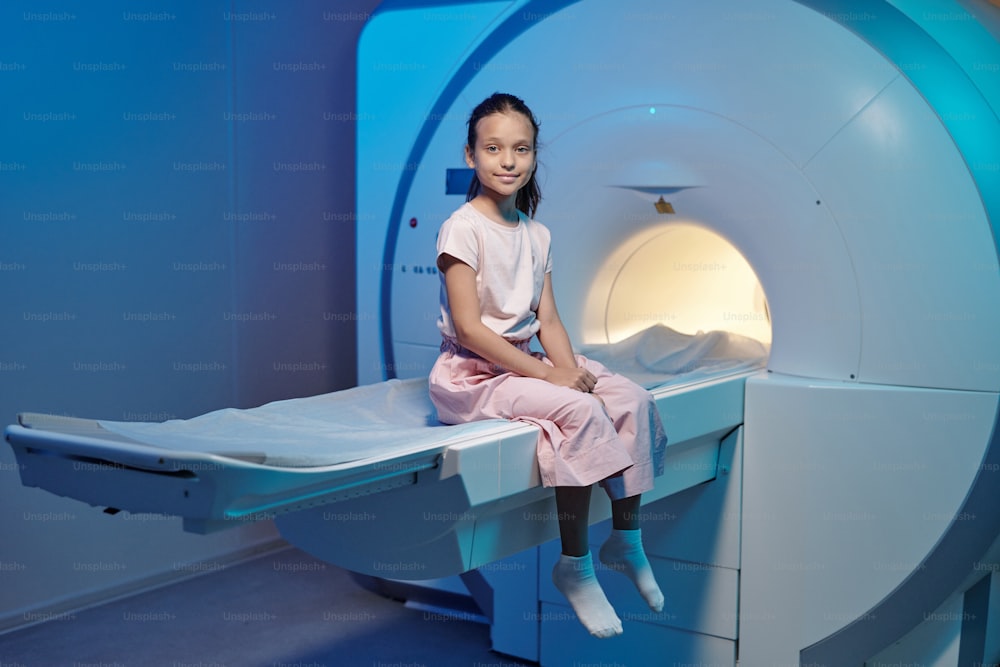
(820, 177)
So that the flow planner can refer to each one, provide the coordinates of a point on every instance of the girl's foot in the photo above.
(623, 553)
(574, 577)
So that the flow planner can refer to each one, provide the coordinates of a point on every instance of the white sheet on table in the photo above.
(395, 417)
(371, 421)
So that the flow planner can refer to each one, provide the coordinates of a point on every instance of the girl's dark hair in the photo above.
(529, 196)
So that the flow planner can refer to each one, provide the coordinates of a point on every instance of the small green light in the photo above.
(652, 110)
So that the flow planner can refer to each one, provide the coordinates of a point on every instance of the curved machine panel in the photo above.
(851, 182)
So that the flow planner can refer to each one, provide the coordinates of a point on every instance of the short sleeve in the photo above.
(542, 238)
(457, 237)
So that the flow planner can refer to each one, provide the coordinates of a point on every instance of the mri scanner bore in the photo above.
(680, 275)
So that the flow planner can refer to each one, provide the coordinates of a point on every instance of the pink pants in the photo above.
(620, 444)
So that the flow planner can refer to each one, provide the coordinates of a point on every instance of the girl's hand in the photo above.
(575, 378)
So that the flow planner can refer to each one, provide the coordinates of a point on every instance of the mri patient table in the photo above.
(442, 499)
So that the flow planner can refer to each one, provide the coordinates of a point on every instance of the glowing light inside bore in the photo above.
(681, 275)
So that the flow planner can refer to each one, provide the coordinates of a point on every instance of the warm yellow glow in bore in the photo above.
(681, 275)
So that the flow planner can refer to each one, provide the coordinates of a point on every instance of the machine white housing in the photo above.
(850, 155)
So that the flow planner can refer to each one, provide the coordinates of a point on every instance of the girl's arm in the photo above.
(472, 334)
(552, 334)
(554, 339)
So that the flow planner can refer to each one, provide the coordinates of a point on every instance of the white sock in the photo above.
(574, 577)
(623, 553)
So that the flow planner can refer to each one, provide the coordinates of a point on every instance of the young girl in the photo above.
(495, 266)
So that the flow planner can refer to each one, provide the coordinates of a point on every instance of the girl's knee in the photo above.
(581, 408)
(628, 397)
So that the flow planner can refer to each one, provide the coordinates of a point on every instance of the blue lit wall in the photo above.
(176, 236)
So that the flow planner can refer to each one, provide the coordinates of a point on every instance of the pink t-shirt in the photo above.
(510, 265)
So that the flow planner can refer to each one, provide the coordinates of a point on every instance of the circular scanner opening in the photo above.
(681, 275)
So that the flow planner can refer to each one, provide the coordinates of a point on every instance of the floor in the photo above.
(281, 609)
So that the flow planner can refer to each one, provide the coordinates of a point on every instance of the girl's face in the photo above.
(504, 154)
